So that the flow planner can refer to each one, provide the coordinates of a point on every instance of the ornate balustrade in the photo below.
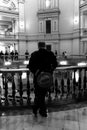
(11, 86)
(16, 86)
(71, 83)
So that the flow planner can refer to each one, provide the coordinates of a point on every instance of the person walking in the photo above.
(41, 60)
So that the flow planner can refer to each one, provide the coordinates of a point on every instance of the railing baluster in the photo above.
(13, 90)
(62, 87)
(84, 85)
(1, 84)
(6, 91)
(68, 87)
(56, 88)
(21, 91)
(79, 86)
(84, 80)
(79, 82)
(28, 89)
(74, 85)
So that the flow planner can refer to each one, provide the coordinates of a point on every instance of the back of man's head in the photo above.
(41, 45)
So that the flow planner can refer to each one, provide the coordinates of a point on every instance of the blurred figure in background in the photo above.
(26, 55)
(16, 55)
(6, 55)
(12, 55)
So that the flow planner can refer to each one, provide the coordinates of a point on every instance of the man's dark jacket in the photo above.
(42, 60)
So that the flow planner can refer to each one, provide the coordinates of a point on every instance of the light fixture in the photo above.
(7, 63)
(76, 20)
(26, 62)
(63, 63)
(82, 64)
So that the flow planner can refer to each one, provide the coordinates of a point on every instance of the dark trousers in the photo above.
(39, 100)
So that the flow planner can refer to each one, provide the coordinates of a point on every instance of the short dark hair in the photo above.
(41, 44)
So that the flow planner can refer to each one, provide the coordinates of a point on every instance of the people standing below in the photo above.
(65, 53)
(41, 60)
(2, 55)
(6, 55)
(16, 55)
(12, 55)
(26, 55)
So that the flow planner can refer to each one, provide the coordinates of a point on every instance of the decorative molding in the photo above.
(6, 1)
(21, 1)
(12, 14)
(48, 13)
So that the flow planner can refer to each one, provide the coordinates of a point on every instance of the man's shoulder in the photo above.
(34, 53)
(51, 53)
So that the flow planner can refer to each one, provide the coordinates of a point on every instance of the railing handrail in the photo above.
(14, 70)
(70, 67)
(57, 68)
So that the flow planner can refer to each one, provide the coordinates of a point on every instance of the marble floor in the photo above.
(72, 119)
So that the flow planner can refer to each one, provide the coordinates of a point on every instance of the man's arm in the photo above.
(32, 64)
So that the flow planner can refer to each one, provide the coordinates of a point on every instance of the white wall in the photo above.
(66, 16)
(21, 47)
(32, 46)
(31, 20)
(65, 45)
(76, 47)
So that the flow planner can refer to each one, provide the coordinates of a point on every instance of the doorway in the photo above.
(48, 26)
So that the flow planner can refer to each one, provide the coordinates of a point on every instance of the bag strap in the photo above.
(37, 72)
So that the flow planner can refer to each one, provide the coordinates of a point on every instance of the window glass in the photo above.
(48, 3)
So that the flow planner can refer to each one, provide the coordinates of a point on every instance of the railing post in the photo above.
(56, 88)
(13, 90)
(84, 85)
(21, 91)
(84, 80)
(68, 86)
(79, 86)
(74, 85)
(79, 80)
(28, 88)
(6, 91)
(62, 86)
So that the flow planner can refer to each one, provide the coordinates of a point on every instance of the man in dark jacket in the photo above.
(42, 60)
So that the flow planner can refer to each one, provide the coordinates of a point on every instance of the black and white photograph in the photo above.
(43, 64)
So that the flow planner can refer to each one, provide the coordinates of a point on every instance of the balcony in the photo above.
(16, 87)
(66, 99)
(83, 32)
(83, 2)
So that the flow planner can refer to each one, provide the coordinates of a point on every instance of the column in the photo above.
(21, 16)
(16, 25)
(76, 15)
(81, 23)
